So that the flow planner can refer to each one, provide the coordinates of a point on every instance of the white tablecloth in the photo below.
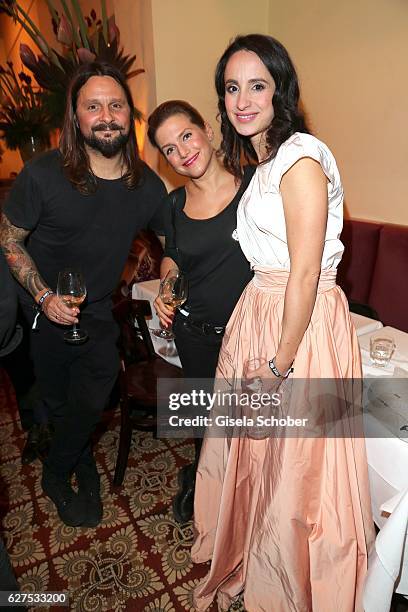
(387, 457)
(398, 365)
(148, 290)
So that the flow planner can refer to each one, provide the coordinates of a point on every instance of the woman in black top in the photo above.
(200, 240)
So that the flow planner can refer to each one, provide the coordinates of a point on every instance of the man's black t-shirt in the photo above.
(210, 256)
(92, 233)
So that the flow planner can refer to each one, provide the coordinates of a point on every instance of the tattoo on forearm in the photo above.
(21, 265)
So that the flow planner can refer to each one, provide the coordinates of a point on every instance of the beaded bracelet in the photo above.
(275, 370)
(44, 296)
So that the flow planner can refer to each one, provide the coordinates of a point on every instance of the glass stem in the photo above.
(74, 329)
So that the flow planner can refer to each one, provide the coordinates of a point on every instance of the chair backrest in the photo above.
(363, 309)
(143, 262)
(127, 312)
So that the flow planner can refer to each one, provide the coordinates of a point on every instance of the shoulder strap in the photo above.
(175, 205)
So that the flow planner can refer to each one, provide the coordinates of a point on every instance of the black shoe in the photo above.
(89, 490)
(30, 451)
(186, 475)
(70, 507)
(38, 443)
(183, 503)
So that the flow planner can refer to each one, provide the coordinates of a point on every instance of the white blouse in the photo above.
(261, 226)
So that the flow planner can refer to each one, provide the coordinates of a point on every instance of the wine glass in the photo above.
(251, 384)
(173, 292)
(72, 291)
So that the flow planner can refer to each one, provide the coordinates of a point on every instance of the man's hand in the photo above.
(56, 311)
(164, 312)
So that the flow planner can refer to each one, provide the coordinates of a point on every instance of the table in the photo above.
(387, 457)
(148, 290)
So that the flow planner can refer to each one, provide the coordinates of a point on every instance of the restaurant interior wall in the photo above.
(134, 20)
(188, 39)
(352, 58)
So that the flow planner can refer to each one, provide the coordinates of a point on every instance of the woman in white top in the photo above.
(285, 517)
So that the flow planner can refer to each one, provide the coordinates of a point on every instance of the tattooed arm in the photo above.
(25, 271)
(20, 263)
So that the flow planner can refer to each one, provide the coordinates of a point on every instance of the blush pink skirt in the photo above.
(286, 521)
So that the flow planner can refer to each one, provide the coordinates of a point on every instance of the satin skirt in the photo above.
(286, 521)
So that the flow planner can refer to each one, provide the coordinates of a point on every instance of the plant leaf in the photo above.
(134, 73)
(85, 55)
(65, 34)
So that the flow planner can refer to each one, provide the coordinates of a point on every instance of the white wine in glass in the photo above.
(71, 290)
(173, 292)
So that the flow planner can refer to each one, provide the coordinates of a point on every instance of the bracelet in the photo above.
(275, 370)
(44, 297)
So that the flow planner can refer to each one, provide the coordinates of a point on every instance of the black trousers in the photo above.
(75, 383)
(198, 352)
(199, 357)
(19, 367)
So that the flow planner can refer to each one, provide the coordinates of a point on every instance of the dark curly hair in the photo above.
(166, 110)
(72, 146)
(288, 118)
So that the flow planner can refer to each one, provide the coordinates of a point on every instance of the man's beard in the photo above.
(108, 147)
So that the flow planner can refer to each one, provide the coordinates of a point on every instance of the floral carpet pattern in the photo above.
(138, 559)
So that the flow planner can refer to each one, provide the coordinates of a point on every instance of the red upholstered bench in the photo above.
(374, 268)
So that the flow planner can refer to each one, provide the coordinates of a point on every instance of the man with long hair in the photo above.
(79, 207)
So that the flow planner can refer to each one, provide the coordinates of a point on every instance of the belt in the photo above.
(205, 328)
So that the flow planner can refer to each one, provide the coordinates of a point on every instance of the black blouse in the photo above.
(209, 254)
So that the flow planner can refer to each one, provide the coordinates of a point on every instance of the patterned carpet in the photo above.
(138, 559)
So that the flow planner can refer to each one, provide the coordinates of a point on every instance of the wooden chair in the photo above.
(140, 371)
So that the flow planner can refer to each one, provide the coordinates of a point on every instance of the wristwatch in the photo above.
(275, 370)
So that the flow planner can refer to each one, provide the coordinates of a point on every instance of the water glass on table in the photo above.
(381, 350)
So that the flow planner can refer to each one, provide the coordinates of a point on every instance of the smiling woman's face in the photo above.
(249, 90)
(186, 146)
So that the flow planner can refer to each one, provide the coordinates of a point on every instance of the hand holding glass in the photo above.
(173, 293)
(251, 384)
(72, 291)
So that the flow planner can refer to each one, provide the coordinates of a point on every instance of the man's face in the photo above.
(103, 115)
